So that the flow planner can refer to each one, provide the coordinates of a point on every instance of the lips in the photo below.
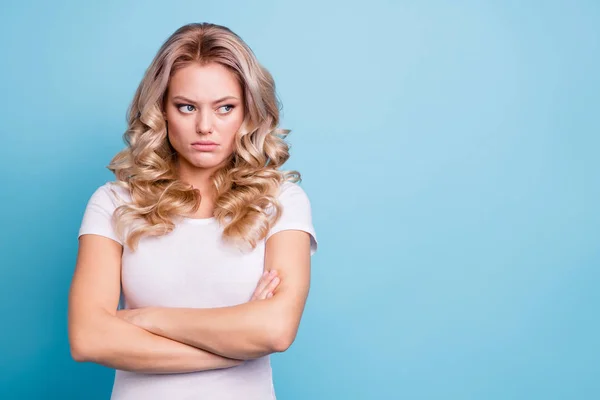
(204, 145)
(204, 142)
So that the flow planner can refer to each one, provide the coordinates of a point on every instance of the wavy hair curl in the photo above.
(245, 187)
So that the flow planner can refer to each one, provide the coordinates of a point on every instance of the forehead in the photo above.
(204, 82)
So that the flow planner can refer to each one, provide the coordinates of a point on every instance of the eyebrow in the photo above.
(182, 98)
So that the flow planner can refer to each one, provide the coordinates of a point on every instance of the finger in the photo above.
(259, 286)
(267, 289)
(262, 283)
(271, 287)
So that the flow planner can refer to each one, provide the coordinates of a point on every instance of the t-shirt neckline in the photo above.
(198, 221)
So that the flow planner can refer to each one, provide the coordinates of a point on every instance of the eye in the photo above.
(185, 108)
(231, 107)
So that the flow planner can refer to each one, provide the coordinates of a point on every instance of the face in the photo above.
(204, 110)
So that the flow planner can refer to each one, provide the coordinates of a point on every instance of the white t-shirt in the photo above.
(193, 267)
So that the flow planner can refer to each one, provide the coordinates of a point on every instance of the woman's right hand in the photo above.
(266, 285)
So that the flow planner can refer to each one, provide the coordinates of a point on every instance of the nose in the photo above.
(204, 122)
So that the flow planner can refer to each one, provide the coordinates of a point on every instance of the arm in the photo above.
(97, 335)
(252, 329)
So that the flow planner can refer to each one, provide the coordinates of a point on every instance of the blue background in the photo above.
(450, 151)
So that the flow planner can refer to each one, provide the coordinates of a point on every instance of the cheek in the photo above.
(229, 129)
(177, 130)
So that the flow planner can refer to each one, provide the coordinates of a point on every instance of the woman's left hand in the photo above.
(266, 285)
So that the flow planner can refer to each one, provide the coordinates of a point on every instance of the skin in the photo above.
(204, 102)
(193, 112)
(248, 330)
(174, 340)
(202, 116)
(97, 334)
(264, 290)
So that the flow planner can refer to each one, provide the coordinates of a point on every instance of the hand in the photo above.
(266, 285)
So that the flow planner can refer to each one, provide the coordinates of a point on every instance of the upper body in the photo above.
(199, 209)
(193, 267)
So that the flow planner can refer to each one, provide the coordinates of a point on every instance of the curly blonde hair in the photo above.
(246, 186)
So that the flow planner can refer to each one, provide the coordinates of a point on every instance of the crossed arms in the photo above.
(173, 340)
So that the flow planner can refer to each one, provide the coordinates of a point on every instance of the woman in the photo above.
(208, 240)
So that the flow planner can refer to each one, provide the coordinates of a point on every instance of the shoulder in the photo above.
(296, 212)
(293, 198)
(291, 189)
(111, 195)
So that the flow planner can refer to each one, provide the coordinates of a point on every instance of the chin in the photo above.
(206, 160)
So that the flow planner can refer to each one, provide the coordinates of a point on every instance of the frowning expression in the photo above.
(204, 110)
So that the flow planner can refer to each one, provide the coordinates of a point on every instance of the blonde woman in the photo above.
(208, 240)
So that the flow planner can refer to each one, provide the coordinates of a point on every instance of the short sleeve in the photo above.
(296, 213)
(97, 218)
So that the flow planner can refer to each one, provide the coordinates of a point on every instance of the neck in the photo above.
(199, 178)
